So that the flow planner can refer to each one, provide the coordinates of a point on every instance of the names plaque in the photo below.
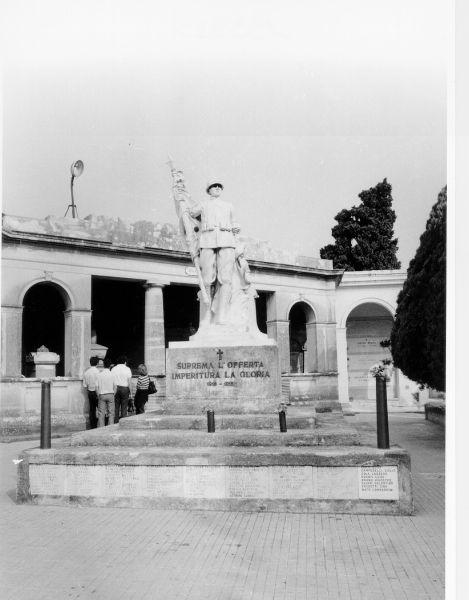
(337, 483)
(291, 482)
(218, 481)
(204, 482)
(123, 480)
(247, 482)
(47, 480)
(164, 481)
(83, 480)
(378, 483)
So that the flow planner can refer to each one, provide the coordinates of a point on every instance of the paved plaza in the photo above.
(51, 552)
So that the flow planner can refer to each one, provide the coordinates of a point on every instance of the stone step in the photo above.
(320, 406)
(195, 406)
(223, 422)
(325, 456)
(116, 436)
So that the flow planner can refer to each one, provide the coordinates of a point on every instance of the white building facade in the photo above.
(74, 285)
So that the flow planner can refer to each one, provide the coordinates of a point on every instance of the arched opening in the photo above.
(368, 325)
(303, 353)
(117, 320)
(297, 338)
(43, 324)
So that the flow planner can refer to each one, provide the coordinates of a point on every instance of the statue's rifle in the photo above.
(181, 198)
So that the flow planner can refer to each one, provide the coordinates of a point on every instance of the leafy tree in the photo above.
(419, 332)
(364, 234)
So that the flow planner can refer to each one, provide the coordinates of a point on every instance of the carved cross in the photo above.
(220, 354)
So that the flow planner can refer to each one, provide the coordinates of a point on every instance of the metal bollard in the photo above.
(210, 421)
(282, 420)
(382, 428)
(45, 414)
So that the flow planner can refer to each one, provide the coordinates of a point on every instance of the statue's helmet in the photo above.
(211, 183)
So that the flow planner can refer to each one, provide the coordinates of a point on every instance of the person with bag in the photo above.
(144, 387)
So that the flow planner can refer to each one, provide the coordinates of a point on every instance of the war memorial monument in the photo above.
(214, 441)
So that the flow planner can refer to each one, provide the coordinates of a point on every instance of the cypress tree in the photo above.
(418, 335)
(364, 234)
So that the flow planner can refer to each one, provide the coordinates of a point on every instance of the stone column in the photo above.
(311, 357)
(342, 365)
(278, 327)
(326, 347)
(11, 340)
(280, 331)
(77, 342)
(154, 344)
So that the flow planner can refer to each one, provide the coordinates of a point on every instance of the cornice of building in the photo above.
(383, 277)
(147, 240)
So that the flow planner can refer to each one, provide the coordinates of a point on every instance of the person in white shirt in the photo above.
(122, 376)
(105, 387)
(89, 382)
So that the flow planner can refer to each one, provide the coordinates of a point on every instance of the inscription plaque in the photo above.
(279, 482)
(122, 481)
(291, 482)
(204, 482)
(378, 483)
(47, 480)
(251, 371)
(247, 482)
(83, 480)
(338, 483)
(163, 481)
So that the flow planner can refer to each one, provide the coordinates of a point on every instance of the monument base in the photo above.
(339, 480)
(171, 461)
(168, 459)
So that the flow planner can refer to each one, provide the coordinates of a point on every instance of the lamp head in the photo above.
(77, 168)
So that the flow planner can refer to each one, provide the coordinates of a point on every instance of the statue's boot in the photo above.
(225, 297)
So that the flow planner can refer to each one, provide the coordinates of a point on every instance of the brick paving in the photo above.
(51, 552)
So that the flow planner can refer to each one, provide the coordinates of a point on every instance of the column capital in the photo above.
(77, 311)
(148, 285)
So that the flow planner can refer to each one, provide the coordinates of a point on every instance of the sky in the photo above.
(297, 107)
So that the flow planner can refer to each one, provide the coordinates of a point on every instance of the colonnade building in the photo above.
(99, 284)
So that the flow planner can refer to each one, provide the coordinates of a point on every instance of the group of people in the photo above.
(109, 390)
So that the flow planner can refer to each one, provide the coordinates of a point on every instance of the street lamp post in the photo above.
(76, 170)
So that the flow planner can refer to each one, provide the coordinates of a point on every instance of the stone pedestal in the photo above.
(45, 363)
(227, 378)
(99, 351)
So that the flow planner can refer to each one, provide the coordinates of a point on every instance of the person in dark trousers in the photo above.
(141, 395)
(90, 378)
(122, 376)
(106, 402)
